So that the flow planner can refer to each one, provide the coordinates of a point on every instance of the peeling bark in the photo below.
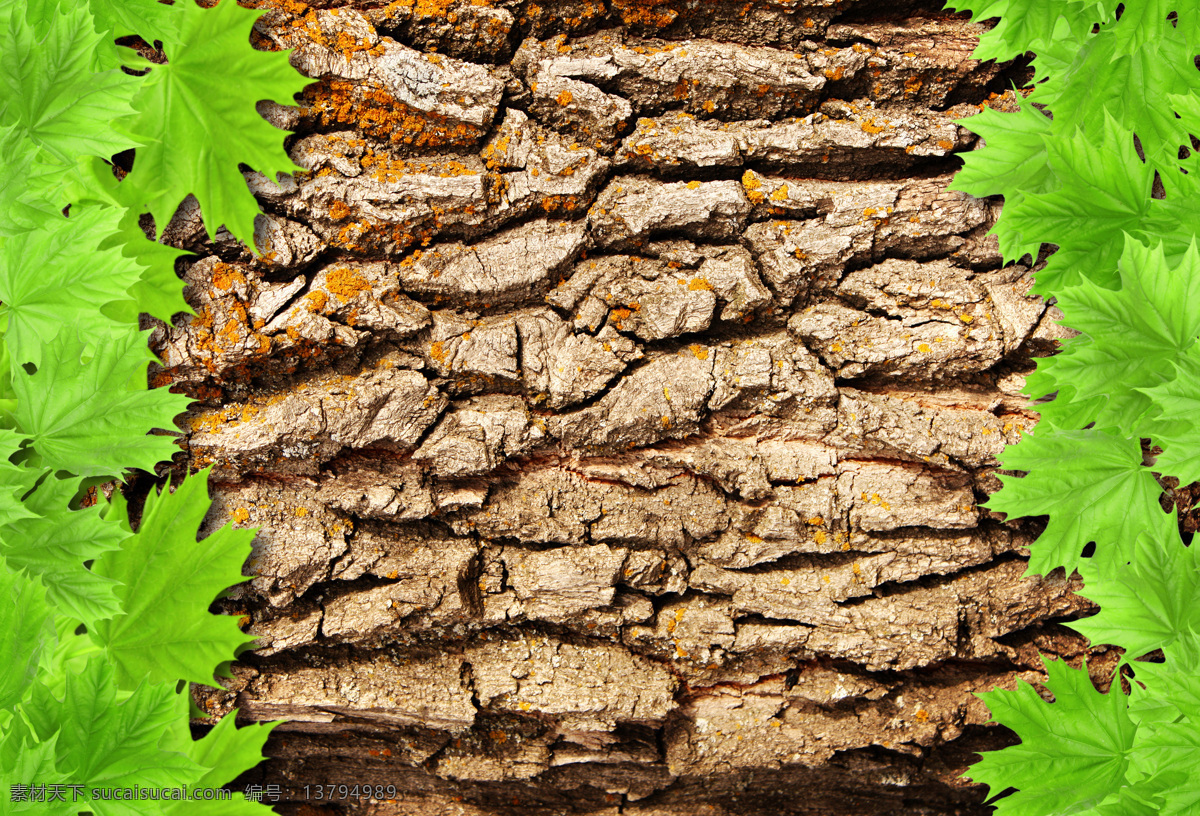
(616, 399)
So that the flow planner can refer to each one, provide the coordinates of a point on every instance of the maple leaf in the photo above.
(86, 409)
(26, 631)
(1073, 752)
(48, 87)
(1148, 602)
(1131, 337)
(198, 119)
(1173, 425)
(57, 277)
(169, 580)
(1094, 488)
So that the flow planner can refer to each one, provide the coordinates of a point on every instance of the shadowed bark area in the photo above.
(616, 400)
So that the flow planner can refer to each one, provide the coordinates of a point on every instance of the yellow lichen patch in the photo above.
(316, 301)
(564, 98)
(709, 106)
(924, 348)
(945, 144)
(753, 185)
(301, 511)
(693, 185)
(700, 351)
(225, 276)
(820, 537)
(912, 85)
(651, 13)
(753, 539)
(966, 318)
(346, 284)
(700, 285)
(377, 113)
(869, 126)
(339, 210)
(835, 73)
(922, 715)
(836, 347)
(241, 515)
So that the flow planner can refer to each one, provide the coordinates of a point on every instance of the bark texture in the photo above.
(616, 401)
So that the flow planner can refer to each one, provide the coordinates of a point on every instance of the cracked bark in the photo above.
(616, 399)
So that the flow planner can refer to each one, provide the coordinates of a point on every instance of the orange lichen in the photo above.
(225, 276)
(869, 126)
(316, 301)
(346, 284)
(700, 351)
(945, 144)
(650, 13)
(564, 98)
(379, 114)
(835, 73)
(699, 285)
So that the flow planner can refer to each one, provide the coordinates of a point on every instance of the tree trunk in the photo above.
(615, 400)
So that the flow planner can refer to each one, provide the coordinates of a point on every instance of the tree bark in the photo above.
(616, 401)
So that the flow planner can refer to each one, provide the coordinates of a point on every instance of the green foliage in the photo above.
(1092, 485)
(86, 409)
(1072, 754)
(168, 580)
(98, 623)
(184, 104)
(1123, 102)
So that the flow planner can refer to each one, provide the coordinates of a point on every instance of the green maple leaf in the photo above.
(1174, 426)
(1094, 488)
(50, 90)
(30, 184)
(198, 119)
(26, 631)
(157, 291)
(15, 480)
(1029, 25)
(1104, 190)
(55, 541)
(1110, 75)
(1014, 160)
(56, 276)
(1073, 752)
(227, 751)
(169, 581)
(149, 19)
(107, 738)
(19, 760)
(1166, 750)
(1172, 688)
(91, 416)
(1131, 337)
(1148, 603)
